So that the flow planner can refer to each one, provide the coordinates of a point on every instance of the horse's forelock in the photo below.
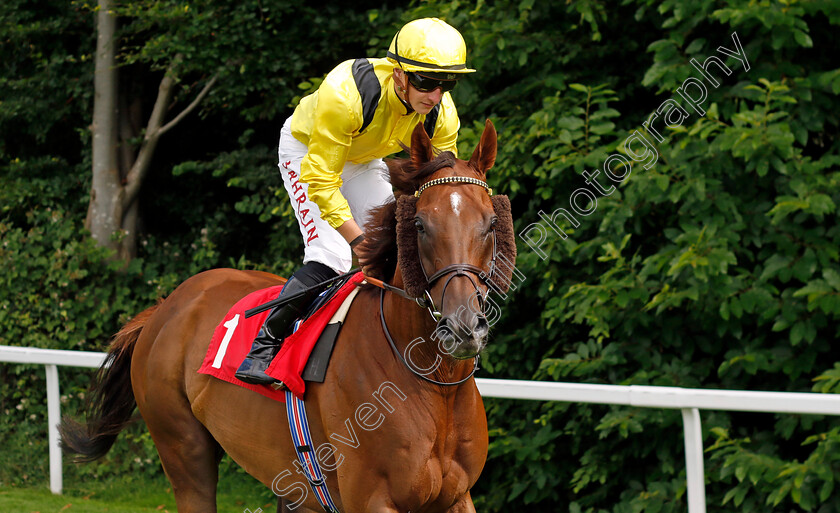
(378, 252)
(406, 178)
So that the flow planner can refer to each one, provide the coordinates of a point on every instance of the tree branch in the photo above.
(154, 130)
(189, 108)
(134, 178)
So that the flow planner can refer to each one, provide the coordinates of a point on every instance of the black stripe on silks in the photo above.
(402, 59)
(431, 121)
(369, 89)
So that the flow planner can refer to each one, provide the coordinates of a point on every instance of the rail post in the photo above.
(54, 418)
(694, 473)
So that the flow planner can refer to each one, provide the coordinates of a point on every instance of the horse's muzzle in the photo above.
(463, 334)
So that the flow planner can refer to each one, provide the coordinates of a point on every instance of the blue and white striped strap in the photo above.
(305, 449)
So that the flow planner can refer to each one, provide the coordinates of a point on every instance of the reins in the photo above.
(402, 359)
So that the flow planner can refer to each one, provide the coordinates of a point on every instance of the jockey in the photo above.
(331, 151)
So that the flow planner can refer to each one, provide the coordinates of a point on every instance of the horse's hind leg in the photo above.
(190, 458)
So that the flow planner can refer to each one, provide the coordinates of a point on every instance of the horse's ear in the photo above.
(421, 147)
(484, 155)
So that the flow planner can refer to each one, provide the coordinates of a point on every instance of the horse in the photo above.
(398, 422)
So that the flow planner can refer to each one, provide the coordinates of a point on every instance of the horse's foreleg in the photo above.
(465, 505)
(284, 506)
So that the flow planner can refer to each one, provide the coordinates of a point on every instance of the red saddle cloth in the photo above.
(233, 337)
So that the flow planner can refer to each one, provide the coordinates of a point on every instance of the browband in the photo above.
(452, 179)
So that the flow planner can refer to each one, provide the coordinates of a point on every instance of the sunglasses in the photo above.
(427, 85)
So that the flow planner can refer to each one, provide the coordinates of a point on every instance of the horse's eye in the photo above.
(419, 225)
(493, 221)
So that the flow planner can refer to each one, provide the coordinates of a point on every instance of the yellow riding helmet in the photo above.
(429, 45)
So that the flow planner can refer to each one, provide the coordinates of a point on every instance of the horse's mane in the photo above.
(378, 252)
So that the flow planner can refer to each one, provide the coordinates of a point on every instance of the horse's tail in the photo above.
(110, 403)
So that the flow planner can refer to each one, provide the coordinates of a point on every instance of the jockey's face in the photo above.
(421, 102)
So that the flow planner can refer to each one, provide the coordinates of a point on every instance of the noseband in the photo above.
(456, 270)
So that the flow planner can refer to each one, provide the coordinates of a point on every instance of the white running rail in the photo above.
(51, 359)
(688, 400)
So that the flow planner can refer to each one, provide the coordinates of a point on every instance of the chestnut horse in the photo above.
(388, 441)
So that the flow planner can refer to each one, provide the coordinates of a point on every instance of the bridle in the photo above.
(402, 359)
(452, 270)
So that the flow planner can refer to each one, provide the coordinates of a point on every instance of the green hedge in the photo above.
(715, 267)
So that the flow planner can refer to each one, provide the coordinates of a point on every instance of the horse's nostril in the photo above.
(481, 328)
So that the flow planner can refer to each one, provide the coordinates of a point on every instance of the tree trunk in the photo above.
(119, 170)
(105, 209)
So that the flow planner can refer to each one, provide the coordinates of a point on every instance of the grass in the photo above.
(127, 494)
(129, 479)
(28, 500)
(119, 483)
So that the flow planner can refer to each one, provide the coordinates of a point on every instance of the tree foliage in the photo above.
(714, 267)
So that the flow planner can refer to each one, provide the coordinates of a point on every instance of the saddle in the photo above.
(304, 355)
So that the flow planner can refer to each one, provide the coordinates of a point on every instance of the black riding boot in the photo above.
(268, 340)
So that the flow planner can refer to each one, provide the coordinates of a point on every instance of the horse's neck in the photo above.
(412, 329)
